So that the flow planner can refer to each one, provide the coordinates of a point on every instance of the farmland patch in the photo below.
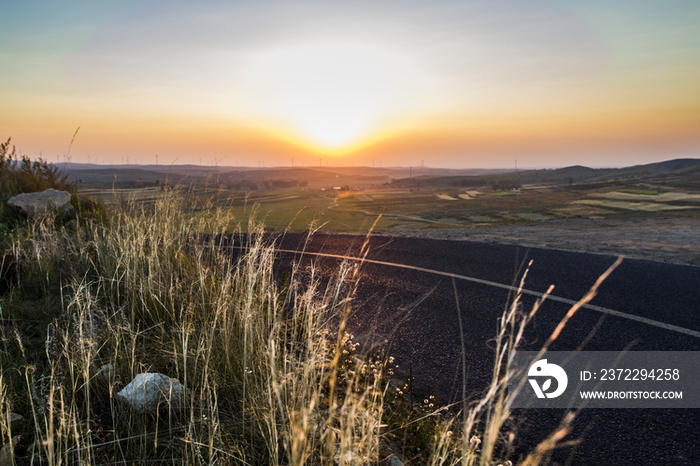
(640, 206)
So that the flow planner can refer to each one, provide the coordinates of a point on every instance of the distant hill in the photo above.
(104, 176)
(677, 172)
(681, 172)
(120, 177)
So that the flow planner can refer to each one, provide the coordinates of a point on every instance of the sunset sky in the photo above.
(447, 83)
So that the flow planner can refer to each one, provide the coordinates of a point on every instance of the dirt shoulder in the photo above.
(660, 238)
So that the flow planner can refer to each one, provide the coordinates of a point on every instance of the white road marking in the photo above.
(571, 302)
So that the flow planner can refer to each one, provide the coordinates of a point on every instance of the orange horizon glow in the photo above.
(231, 143)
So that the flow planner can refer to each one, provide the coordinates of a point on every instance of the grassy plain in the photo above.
(351, 198)
(355, 208)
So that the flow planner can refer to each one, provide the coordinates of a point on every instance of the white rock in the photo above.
(38, 203)
(148, 390)
(393, 460)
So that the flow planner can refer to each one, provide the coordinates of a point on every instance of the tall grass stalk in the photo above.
(486, 437)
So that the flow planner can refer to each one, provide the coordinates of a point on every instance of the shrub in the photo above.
(24, 176)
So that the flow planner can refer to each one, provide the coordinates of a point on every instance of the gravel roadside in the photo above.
(663, 238)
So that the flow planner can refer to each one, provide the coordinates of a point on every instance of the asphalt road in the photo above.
(413, 313)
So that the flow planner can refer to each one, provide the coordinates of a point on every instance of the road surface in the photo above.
(406, 303)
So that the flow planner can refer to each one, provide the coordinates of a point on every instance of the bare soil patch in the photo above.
(661, 238)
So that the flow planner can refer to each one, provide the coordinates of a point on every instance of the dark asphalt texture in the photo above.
(414, 315)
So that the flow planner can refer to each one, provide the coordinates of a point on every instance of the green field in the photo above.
(397, 209)
(646, 192)
(353, 199)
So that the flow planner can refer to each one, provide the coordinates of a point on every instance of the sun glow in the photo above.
(334, 98)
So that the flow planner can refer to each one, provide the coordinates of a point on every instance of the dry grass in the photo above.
(272, 376)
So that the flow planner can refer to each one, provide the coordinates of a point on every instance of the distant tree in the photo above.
(284, 183)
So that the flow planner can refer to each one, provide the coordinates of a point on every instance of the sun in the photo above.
(334, 97)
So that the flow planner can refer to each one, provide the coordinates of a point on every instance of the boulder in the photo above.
(149, 390)
(41, 203)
